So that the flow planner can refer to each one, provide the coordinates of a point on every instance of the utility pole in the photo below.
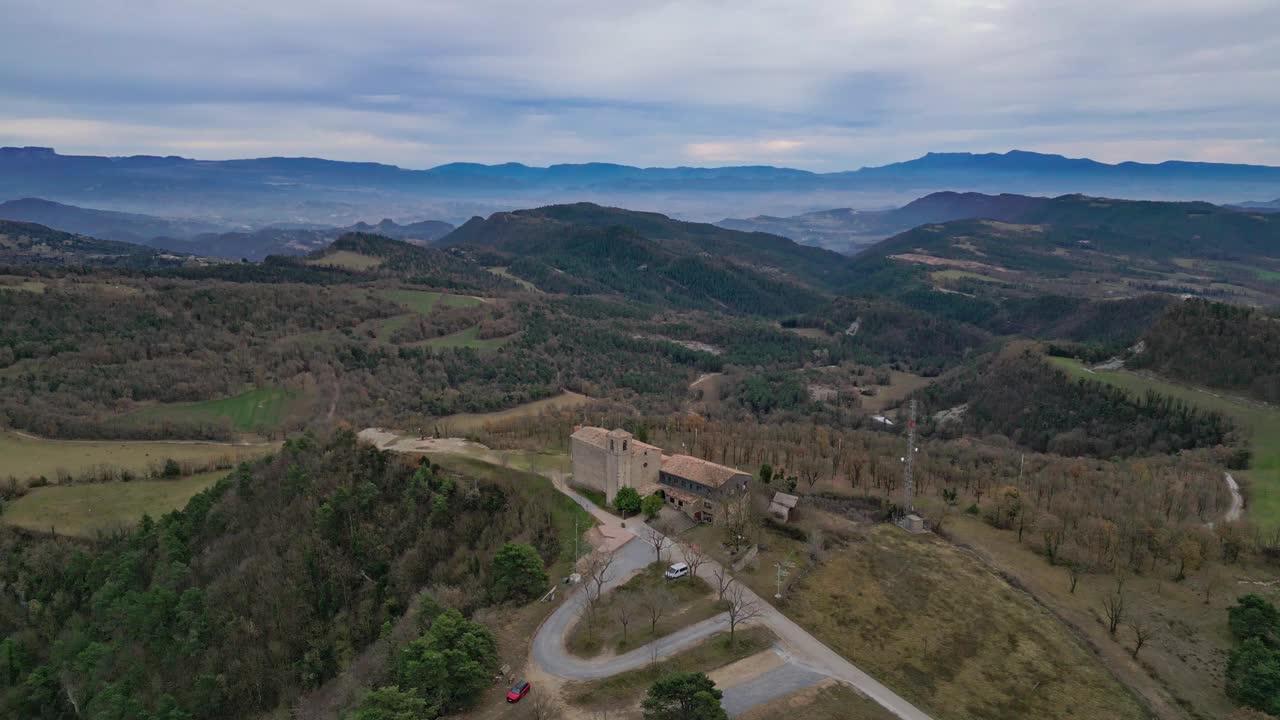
(784, 569)
(908, 480)
(575, 537)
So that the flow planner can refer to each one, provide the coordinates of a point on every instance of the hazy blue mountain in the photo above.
(24, 243)
(263, 191)
(105, 224)
(1263, 207)
(206, 239)
(848, 230)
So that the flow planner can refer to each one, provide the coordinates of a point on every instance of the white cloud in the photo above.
(824, 83)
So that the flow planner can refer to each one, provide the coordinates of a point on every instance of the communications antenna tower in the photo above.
(908, 481)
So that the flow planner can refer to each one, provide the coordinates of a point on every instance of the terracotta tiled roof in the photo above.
(599, 437)
(648, 489)
(688, 498)
(698, 470)
(592, 435)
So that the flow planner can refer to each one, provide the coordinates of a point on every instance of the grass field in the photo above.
(13, 282)
(956, 274)
(1180, 671)
(464, 422)
(85, 510)
(261, 409)
(503, 272)
(901, 384)
(1262, 480)
(465, 339)
(942, 630)
(347, 259)
(694, 602)
(424, 301)
(24, 457)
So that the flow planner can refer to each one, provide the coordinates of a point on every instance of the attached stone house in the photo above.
(607, 460)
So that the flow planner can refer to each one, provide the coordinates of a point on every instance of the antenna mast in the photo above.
(908, 481)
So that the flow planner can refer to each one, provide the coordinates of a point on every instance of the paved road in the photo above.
(808, 660)
(778, 682)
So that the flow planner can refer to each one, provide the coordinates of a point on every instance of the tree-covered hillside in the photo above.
(1216, 345)
(264, 587)
(585, 248)
(23, 243)
(1017, 394)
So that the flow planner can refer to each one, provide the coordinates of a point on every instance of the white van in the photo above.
(678, 570)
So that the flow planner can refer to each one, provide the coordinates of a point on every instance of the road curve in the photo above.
(807, 659)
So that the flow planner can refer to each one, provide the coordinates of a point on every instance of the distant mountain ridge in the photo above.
(848, 230)
(47, 161)
(23, 243)
(106, 224)
(204, 238)
(255, 188)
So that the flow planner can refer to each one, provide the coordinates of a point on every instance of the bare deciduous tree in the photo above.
(816, 546)
(541, 707)
(656, 602)
(656, 540)
(597, 570)
(694, 556)
(624, 610)
(1143, 630)
(743, 607)
(1113, 606)
(723, 579)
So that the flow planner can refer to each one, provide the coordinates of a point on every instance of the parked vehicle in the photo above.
(517, 691)
(677, 570)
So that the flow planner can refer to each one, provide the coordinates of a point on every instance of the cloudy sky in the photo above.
(824, 85)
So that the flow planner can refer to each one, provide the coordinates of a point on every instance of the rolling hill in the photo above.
(585, 249)
(1091, 247)
(105, 224)
(24, 243)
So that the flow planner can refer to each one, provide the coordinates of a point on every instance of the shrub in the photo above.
(627, 501)
(517, 573)
(652, 505)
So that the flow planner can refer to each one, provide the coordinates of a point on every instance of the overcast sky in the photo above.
(803, 83)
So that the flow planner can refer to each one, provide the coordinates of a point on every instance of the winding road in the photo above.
(806, 661)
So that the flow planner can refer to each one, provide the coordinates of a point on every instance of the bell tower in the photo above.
(617, 464)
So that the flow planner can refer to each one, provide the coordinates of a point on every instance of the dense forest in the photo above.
(266, 585)
(1216, 345)
(1018, 395)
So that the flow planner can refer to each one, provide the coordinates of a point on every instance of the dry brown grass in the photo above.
(465, 422)
(693, 601)
(1180, 671)
(935, 624)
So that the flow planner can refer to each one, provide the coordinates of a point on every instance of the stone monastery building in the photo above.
(607, 460)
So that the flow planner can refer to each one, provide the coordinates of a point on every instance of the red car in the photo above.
(518, 691)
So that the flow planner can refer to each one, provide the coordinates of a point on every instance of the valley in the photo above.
(200, 417)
